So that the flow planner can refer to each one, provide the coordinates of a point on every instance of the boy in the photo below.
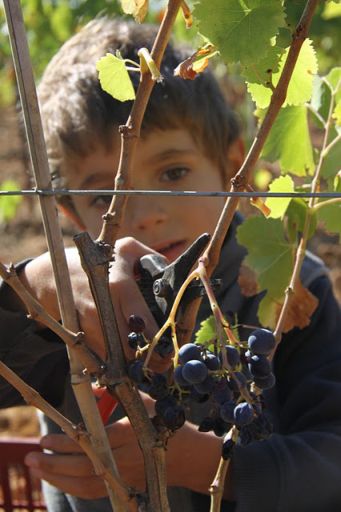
(189, 141)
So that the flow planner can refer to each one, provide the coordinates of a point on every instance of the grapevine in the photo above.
(229, 373)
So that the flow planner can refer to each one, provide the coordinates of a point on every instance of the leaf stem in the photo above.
(322, 204)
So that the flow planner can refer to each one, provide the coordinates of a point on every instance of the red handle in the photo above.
(105, 403)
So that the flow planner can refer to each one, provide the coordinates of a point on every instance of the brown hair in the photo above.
(78, 115)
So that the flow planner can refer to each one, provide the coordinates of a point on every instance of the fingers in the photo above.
(119, 433)
(67, 465)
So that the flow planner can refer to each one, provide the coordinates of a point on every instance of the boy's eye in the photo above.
(101, 201)
(174, 174)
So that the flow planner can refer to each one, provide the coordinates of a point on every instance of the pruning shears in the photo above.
(159, 284)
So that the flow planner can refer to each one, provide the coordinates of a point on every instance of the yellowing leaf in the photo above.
(114, 78)
(138, 8)
(302, 306)
(196, 63)
(278, 205)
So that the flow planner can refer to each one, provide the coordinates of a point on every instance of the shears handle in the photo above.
(106, 403)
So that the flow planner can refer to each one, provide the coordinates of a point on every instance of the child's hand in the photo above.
(126, 297)
(72, 472)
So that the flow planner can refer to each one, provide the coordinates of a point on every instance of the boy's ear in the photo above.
(72, 215)
(236, 155)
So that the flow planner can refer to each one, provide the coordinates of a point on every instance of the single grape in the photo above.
(174, 417)
(259, 429)
(227, 449)
(189, 352)
(206, 386)
(221, 392)
(135, 371)
(136, 323)
(197, 397)
(267, 382)
(261, 342)
(232, 355)
(133, 340)
(226, 411)
(220, 427)
(164, 346)
(158, 387)
(212, 362)
(243, 414)
(194, 371)
(162, 404)
(260, 366)
(178, 377)
(206, 424)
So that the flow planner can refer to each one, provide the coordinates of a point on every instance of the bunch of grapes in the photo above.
(232, 378)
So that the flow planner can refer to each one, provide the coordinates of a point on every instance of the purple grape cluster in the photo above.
(232, 379)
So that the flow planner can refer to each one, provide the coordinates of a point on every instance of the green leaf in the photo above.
(296, 215)
(301, 83)
(261, 71)
(332, 162)
(114, 78)
(278, 205)
(331, 217)
(334, 79)
(270, 255)
(331, 10)
(207, 331)
(242, 30)
(337, 114)
(9, 204)
(267, 310)
(289, 142)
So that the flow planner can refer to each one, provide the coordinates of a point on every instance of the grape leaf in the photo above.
(337, 114)
(301, 83)
(207, 331)
(114, 78)
(302, 306)
(138, 8)
(9, 204)
(278, 205)
(270, 255)
(260, 71)
(331, 217)
(242, 30)
(296, 216)
(289, 142)
(331, 10)
(332, 161)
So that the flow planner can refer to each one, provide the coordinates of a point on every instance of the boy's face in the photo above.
(165, 160)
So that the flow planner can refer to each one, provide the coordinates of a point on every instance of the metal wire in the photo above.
(186, 193)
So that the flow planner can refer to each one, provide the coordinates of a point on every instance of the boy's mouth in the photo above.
(171, 250)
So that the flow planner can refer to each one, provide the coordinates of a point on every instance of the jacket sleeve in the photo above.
(37, 356)
(298, 469)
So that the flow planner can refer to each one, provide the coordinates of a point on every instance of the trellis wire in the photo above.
(179, 193)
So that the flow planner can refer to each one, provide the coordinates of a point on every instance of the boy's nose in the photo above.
(144, 213)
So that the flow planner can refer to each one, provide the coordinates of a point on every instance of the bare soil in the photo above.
(23, 237)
